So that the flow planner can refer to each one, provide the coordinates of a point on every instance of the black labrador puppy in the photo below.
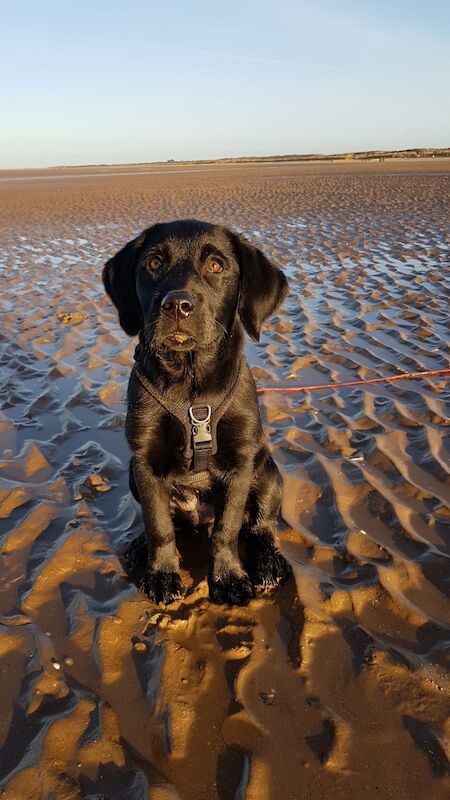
(188, 289)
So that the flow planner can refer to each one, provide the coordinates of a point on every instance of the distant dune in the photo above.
(360, 156)
(364, 155)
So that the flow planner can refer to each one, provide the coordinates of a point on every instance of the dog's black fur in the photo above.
(192, 357)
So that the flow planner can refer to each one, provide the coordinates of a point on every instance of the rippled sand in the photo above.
(335, 687)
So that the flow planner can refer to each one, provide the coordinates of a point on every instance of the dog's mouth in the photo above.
(180, 337)
(179, 341)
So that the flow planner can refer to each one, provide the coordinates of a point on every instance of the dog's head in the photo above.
(183, 283)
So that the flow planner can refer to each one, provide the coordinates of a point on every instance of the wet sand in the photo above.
(335, 686)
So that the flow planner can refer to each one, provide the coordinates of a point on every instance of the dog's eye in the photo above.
(154, 263)
(214, 266)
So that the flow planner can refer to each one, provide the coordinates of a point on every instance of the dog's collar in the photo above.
(199, 420)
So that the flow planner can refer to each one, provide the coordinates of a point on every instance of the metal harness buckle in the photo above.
(201, 428)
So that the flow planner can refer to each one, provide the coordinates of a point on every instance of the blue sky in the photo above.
(110, 82)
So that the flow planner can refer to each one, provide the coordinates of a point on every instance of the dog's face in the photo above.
(187, 284)
(184, 283)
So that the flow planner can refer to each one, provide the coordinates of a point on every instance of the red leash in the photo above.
(405, 377)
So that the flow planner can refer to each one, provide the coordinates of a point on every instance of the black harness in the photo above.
(199, 421)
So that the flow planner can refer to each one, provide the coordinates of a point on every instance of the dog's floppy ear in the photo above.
(119, 278)
(262, 286)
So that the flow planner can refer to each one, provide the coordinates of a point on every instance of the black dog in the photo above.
(188, 289)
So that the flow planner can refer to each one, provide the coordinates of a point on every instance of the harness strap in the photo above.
(199, 420)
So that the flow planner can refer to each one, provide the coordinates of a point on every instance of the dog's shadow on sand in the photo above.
(225, 637)
(193, 547)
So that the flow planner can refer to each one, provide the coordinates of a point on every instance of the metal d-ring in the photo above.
(196, 421)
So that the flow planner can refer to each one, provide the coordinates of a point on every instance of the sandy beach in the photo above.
(337, 685)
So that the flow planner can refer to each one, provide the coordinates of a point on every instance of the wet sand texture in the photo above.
(336, 686)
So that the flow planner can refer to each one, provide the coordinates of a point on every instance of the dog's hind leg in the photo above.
(265, 565)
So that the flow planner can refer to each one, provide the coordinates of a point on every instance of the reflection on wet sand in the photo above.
(336, 685)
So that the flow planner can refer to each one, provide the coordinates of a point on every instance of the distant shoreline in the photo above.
(172, 164)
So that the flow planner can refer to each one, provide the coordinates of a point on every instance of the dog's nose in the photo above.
(178, 304)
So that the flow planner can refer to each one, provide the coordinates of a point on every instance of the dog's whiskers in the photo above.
(221, 326)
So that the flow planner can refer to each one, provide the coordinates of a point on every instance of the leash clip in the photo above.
(201, 428)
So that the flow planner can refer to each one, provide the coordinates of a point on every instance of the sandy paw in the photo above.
(267, 567)
(163, 587)
(231, 589)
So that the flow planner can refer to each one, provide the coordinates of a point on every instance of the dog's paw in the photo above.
(266, 566)
(232, 589)
(163, 587)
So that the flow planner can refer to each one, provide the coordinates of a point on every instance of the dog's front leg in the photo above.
(162, 582)
(228, 581)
